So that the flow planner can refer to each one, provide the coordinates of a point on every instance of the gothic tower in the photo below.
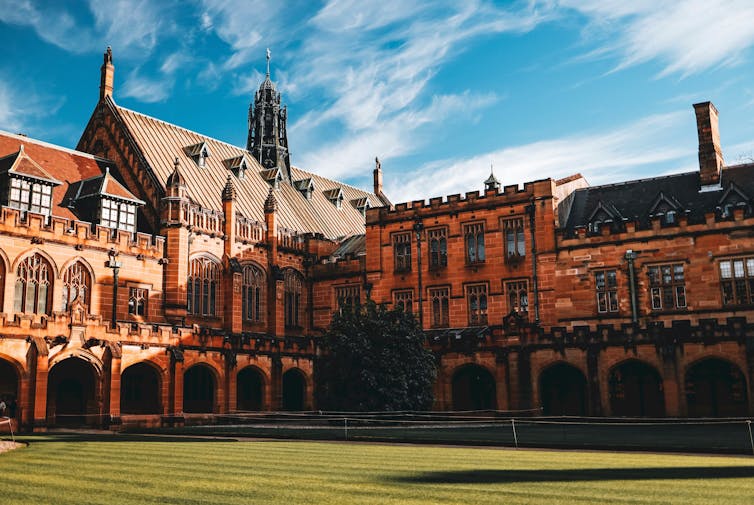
(268, 138)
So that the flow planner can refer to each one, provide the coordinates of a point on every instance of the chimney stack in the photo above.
(107, 71)
(710, 154)
(377, 177)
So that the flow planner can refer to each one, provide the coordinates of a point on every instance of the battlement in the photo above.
(471, 200)
(80, 234)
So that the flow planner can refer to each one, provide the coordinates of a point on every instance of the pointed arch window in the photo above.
(33, 286)
(203, 287)
(293, 290)
(252, 300)
(77, 284)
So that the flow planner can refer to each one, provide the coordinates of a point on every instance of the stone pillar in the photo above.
(276, 384)
(114, 396)
(593, 380)
(40, 392)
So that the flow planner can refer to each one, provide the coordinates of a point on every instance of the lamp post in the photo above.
(115, 265)
(418, 228)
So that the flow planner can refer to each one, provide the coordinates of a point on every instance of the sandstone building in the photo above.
(156, 275)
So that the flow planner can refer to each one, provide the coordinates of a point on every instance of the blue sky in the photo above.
(438, 90)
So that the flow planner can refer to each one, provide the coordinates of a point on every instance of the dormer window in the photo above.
(273, 176)
(28, 195)
(670, 217)
(603, 213)
(117, 215)
(306, 187)
(362, 205)
(238, 166)
(335, 196)
(199, 153)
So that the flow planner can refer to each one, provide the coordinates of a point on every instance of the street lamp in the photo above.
(115, 265)
(418, 229)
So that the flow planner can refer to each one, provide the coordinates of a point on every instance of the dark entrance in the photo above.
(9, 387)
(140, 390)
(250, 389)
(294, 390)
(198, 390)
(636, 391)
(563, 391)
(715, 388)
(71, 393)
(473, 389)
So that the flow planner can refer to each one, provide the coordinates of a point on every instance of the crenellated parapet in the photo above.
(81, 235)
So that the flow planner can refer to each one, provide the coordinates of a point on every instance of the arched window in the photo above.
(77, 284)
(203, 287)
(253, 294)
(294, 288)
(33, 286)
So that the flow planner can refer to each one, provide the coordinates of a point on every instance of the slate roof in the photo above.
(635, 200)
(102, 185)
(161, 142)
(352, 246)
(64, 165)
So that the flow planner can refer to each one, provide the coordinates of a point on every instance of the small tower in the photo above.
(268, 137)
(107, 73)
(228, 198)
(377, 174)
(175, 230)
(491, 184)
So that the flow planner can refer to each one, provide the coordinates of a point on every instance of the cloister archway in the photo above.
(140, 390)
(199, 390)
(636, 390)
(715, 388)
(249, 389)
(72, 396)
(473, 388)
(563, 391)
(294, 390)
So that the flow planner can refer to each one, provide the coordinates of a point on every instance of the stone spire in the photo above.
(271, 204)
(107, 73)
(268, 137)
(229, 191)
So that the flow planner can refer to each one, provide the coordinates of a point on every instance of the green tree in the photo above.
(374, 359)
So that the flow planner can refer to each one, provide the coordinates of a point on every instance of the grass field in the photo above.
(120, 469)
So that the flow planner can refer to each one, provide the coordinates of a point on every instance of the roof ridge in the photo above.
(339, 183)
(636, 181)
(32, 140)
(180, 127)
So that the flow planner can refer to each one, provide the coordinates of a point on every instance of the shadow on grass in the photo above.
(113, 437)
(576, 475)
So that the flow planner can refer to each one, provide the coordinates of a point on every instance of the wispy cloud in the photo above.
(684, 36)
(601, 157)
(129, 25)
(21, 110)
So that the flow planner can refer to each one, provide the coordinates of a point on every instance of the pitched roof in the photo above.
(64, 165)
(162, 142)
(636, 200)
(21, 164)
(103, 185)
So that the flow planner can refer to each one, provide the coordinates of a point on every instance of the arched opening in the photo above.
(71, 393)
(140, 390)
(715, 388)
(9, 388)
(563, 391)
(636, 390)
(294, 390)
(473, 389)
(199, 390)
(250, 389)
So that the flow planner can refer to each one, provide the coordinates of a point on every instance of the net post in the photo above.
(515, 437)
(751, 439)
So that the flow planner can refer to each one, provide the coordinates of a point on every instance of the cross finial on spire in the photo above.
(268, 62)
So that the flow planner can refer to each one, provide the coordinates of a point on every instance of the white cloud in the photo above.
(147, 89)
(685, 36)
(601, 157)
(21, 109)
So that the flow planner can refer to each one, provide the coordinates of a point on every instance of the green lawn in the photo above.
(123, 469)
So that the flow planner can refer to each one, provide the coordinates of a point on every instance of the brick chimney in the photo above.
(710, 154)
(377, 173)
(107, 71)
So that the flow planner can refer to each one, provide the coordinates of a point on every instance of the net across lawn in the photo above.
(127, 470)
(486, 428)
